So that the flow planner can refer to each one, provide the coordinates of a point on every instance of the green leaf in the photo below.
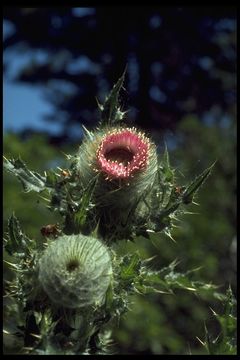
(152, 282)
(169, 209)
(167, 173)
(30, 180)
(47, 324)
(110, 110)
(227, 320)
(162, 219)
(166, 280)
(109, 297)
(128, 277)
(130, 267)
(17, 241)
(15, 235)
(225, 342)
(188, 194)
(81, 215)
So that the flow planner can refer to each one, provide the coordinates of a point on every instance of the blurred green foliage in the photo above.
(170, 324)
(161, 323)
(29, 207)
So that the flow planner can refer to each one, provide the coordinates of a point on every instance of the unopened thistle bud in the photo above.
(126, 162)
(75, 271)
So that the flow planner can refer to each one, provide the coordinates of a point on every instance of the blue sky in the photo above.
(24, 105)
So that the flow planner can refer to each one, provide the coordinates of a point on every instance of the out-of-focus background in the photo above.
(180, 88)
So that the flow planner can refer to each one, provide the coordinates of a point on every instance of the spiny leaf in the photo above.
(167, 279)
(12, 266)
(168, 233)
(18, 242)
(110, 109)
(230, 302)
(109, 298)
(166, 171)
(130, 267)
(188, 194)
(227, 320)
(81, 215)
(151, 281)
(29, 179)
(47, 324)
(15, 234)
(163, 216)
(170, 208)
(225, 342)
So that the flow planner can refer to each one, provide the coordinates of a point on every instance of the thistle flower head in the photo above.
(122, 153)
(75, 271)
(127, 165)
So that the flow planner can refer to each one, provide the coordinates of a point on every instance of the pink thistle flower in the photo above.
(122, 153)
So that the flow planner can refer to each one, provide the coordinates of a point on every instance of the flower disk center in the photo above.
(121, 155)
(72, 265)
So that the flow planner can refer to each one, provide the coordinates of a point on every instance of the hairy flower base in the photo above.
(122, 153)
(75, 271)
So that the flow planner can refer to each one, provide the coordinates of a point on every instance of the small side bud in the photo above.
(75, 271)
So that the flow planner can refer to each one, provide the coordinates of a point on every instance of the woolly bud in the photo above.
(75, 271)
(126, 162)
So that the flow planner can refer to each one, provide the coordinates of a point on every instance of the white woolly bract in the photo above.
(84, 285)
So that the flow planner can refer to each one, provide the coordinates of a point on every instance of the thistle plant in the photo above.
(67, 290)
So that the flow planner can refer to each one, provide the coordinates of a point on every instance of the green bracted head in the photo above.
(125, 163)
(75, 271)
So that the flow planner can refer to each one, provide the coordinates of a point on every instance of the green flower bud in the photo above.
(75, 271)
